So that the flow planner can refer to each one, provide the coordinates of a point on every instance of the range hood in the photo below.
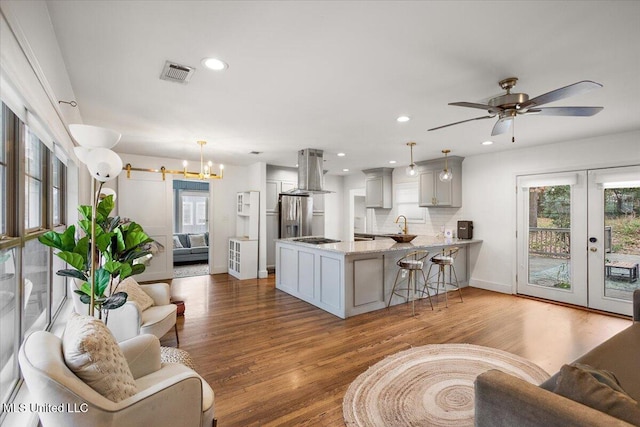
(310, 172)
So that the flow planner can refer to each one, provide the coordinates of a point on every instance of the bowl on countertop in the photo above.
(402, 238)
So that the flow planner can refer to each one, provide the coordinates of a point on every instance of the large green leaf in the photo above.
(105, 206)
(103, 278)
(85, 211)
(64, 241)
(82, 248)
(103, 241)
(136, 237)
(137, 269)
(76, 274)
(112, 267)
(114, 301)
(119, 239)
(85, 225)
(73, 259)
(84, 298)
(125, 271)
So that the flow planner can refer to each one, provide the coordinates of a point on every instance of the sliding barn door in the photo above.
(146, 199)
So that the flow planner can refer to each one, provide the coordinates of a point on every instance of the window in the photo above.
(32, 201)
(3, 173)
(187, 216)
(58, 182)
(34, 182)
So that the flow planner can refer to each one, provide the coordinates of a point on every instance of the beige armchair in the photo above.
(129, 321)
(167, 394)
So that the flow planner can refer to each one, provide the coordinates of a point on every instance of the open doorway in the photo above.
(190, 228)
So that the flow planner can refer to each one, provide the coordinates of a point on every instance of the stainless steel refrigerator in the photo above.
(296, 214)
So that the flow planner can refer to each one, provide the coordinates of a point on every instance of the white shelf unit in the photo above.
(248, 210)
(243, 248)
(243, 258)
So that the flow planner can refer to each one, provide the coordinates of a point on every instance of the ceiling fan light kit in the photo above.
(510, 105)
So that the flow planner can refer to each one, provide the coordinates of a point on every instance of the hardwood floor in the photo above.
(274, 360)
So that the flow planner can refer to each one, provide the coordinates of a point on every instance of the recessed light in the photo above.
(403, 119)
(393, 162)
(215, 64)
(345, 170)
(341, 154)
(487, 143)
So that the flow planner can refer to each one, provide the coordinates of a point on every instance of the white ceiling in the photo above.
(334, 75)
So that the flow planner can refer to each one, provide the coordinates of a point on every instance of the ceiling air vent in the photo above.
(176, 73)
(255, 152)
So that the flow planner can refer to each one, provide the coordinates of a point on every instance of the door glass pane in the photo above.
(550, 236)
(622, 241)
(8, 322)
(35, 285)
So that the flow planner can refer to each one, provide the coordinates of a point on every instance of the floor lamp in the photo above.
(103, 165)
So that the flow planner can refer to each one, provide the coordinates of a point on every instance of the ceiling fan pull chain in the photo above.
(513, 131)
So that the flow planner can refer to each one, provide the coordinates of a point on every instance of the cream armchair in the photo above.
(168, 394)
(129, 321)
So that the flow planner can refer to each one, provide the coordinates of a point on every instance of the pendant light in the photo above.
(411, 169)
(445, 174)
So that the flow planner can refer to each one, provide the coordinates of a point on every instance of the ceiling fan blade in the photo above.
(567, 111)
(463, 121)
(563, 92)
(502, 126)
(485, 107)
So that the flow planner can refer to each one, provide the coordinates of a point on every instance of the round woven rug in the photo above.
(430, 385)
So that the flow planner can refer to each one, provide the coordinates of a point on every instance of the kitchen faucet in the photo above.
(404, 229)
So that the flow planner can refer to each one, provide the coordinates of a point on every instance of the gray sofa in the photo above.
(503, 400)
(187, 253)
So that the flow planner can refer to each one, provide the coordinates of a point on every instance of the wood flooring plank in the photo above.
(274, 360)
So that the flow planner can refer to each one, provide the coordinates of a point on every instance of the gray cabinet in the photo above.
(378, 185)
(435, 193)
(274, 188)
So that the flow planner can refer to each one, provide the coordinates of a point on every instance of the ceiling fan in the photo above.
(510, 105)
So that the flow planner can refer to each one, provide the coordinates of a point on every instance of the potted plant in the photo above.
(120, 246)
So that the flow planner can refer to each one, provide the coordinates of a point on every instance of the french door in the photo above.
(578, 237)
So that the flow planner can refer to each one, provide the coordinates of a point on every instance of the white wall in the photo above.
(489, 195)
(333, 207)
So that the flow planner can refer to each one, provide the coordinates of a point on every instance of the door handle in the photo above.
(592, 249)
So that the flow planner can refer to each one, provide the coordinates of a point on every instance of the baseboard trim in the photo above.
(263, 274)
(491, 286)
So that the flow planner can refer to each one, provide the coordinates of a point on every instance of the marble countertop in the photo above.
(385, 245)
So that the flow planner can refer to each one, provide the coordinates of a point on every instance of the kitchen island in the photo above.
(351, 278)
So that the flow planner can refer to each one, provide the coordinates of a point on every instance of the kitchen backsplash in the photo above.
(437, 219)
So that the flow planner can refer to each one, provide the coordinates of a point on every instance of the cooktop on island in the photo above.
(315, 240)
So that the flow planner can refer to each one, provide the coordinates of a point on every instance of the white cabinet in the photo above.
(378, 184)
(435, 193)
(243, 258)
(248, 210)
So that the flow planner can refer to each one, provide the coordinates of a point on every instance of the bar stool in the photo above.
(446, 258)
(411, 264)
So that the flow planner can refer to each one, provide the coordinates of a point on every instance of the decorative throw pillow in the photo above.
(581, 386)
(177, 244)
(196, 240)
(135, 294)
(92, 353)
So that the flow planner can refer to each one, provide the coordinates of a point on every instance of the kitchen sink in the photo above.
(402, 238)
